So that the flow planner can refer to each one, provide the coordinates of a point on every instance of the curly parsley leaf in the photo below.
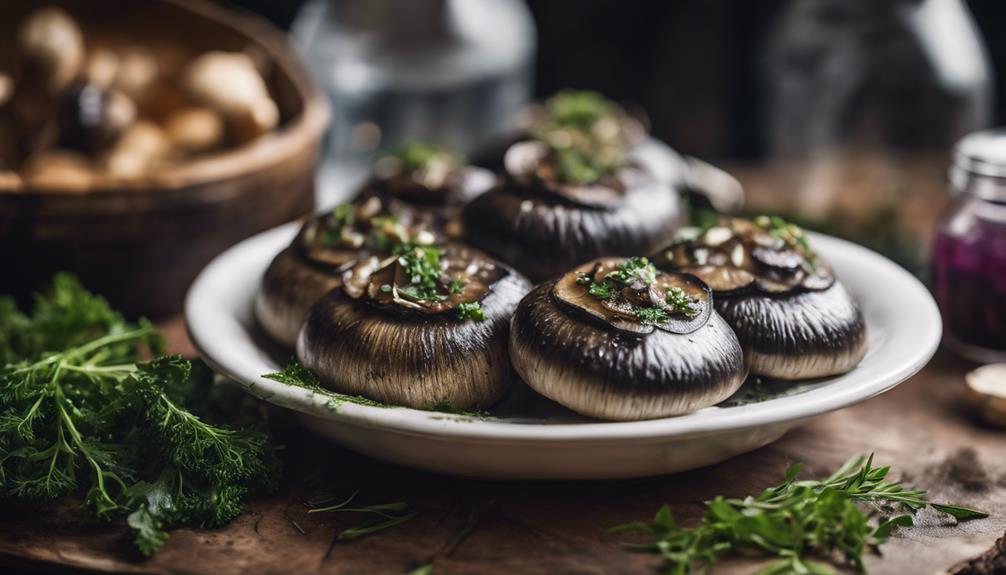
(81, 413)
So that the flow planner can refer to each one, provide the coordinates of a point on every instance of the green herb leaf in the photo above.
(80, 413)
(422, 266)
(471, 310)
(651, 315)
(634, 270)
(678, 300)
(793, 520)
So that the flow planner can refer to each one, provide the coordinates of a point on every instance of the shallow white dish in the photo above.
(529, 437)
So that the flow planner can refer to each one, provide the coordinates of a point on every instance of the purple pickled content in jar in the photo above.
(969, 276)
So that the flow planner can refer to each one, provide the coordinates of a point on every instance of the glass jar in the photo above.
(455, 72)
(969, 258)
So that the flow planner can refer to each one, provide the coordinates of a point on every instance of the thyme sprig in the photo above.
(795, 520)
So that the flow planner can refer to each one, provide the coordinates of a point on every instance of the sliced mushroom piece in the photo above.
(798, 336)
(568, 292)
(721, 279)
(602, 372)
(413, 359)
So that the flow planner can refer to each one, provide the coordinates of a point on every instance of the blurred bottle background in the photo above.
(839, 113)
(451, 71)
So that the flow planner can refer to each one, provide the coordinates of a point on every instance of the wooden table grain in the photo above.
(924, 428)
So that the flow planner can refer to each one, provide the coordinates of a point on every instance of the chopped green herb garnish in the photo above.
(678, 300)
(792, 234)
(296, 375)
(384, 234)
(422, 267)
(634, 269)
(580, 109)
(601, 290)
(794, 520)
(417, 155)
(578, 167)
(651, 315)
(345, 214)
(583, 153)
(457, 284)
(471, 310)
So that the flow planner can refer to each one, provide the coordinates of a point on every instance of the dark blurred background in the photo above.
(699, 67)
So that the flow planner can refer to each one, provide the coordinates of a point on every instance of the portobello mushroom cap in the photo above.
(574, 110)
(590, 355)
(394, 345)
(793, 318)
(543, 226)
(429, 180)
(328, 247)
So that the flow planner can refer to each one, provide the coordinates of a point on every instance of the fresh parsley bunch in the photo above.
(82, 414)
(797, 519)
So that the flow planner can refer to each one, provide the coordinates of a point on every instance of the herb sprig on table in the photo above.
(82, 415)
(794, 520)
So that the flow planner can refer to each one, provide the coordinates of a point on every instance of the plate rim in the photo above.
(448, 426)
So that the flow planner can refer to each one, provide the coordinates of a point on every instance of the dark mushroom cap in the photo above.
(427, 179)
(586, 359)
(567, 114)
(798, 336)
(289, 288)
(412, 352)
(330, 245)
(543, 226)
(793, 318)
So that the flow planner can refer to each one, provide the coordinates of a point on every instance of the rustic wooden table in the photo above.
(924, 428)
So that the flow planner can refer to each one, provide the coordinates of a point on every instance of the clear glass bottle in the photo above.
(455, 72)
(969, 257)
(862, 93)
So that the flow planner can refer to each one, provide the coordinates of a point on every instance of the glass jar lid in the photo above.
(979, 165)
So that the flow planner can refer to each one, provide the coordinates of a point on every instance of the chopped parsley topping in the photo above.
(578, 109)
(633, 269)
(456, 284)
(422, 266)
(678, 300)
(578, 130)
(471, 310)
(651, 315)
(345, 214)
(385, 233)
(416, 155)
(792, 234)
(639, 272)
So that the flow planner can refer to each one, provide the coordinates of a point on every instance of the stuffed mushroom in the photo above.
(427, 327)
(558, 205)
(330, 246)
(569, 115)
(617, 339)
(429, 179)
(794, 319)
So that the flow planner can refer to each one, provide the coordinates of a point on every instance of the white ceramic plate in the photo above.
(530, 437)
